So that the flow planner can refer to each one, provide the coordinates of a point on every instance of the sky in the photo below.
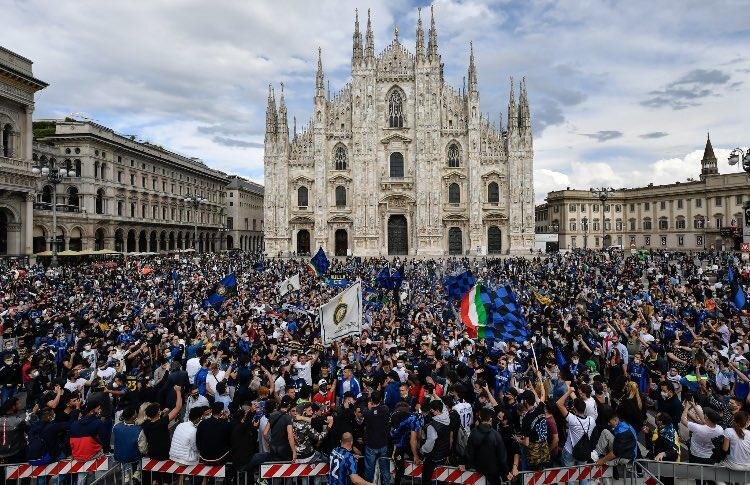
(622, 93)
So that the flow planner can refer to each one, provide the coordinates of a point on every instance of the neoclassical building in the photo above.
(126, 195)
(399, 162)
(244, 202)
(703, 213)
(17, 182)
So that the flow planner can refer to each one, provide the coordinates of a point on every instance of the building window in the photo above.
(596, 241)
(618, 208)
(231, 203)
(632, 207)
(573, 241)
(698, 202)
(680, 223)
(618, 225)
(143, 211)
(699, 222)
(596, 208)
(646, 206)
(339, 157)
(143, 182)
(99, 205)
(738, 199)
(662, 205)
(119, 176)
(647, 240)
(119, 208)
(132, 180)
(663, 223)
(395, 110)
(454, 194)
(632, 240)
(664, 240)
(717, 201)
(397, 165)
(572, 208)
(132, 209)
(647, 224)
(680, 240)
(719, 222)
(556, 209)
(454, 155)
(153, 212)
(699, 240)
(606, 208)
(340, 196)
(679, 203)
(595, 225)
(493, 193)
(631, 223)
(302, 197)
(573, 225)
(607, 225)
(619, 241)
(230, 223)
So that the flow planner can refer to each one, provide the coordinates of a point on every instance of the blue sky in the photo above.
(622, 93)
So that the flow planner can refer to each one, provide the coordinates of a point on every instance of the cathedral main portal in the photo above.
(398, 242)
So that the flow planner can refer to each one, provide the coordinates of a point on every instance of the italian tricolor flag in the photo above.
(311, 269)
(473, 313)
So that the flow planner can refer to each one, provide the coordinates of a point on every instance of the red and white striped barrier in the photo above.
(447, 474)
(169, 466)
(562, 475)
(287, 470)
(63, 467)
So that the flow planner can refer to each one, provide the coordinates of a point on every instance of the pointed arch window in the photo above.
(302, 196)
(340, 196)
(395, 110)
(454, 194)
(454, 155)
(493, 193)
(339, 158)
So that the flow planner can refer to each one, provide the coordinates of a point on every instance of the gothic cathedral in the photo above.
(399, 163)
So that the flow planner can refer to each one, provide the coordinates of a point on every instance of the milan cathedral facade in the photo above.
(399, 163)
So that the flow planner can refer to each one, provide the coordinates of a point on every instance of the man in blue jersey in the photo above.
(342, 466)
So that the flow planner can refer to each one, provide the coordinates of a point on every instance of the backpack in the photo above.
(462, 439)
(582, 448)
(717, 452)
(625, 444)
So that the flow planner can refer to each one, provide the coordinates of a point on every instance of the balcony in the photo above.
(397, 184)
(47, 206)
(14, 164)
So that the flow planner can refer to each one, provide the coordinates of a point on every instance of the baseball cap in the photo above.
(322, 382)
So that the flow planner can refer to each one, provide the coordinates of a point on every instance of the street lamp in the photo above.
(740, 154)
(196, 202)
(602, 193)
(585, 227)
(54, 175)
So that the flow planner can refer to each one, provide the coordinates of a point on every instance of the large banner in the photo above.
(342, 316)
(289, 284)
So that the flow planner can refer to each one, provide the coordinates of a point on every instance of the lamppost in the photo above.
(196, 202)
(55, 175)
(734, 158)
(602, 193)
(585, 227)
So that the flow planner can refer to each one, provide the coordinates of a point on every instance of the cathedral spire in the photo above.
(524, 118)
(512, 110)
(283, 127)
(319, 85)
(369, 41)
(270, 114)
(472, 70)
(432, 52)
(420, 35)
(356, 41)
(294, 121)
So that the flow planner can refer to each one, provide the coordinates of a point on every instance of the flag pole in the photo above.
(533, 353)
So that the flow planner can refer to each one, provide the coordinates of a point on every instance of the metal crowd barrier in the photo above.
(696, 471)
(63, 467)
(566, 474)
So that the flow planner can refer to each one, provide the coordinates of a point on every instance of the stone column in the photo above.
(29, 134)
(28, 224)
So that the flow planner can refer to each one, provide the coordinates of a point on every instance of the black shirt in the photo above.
(157, 436)
(279, 439)
(376, 426)
(212, 438)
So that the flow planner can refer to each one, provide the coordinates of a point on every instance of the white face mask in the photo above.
(87, 347)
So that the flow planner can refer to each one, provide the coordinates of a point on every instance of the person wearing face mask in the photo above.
(668, 402)
(194, 400)
(10, 377)
(183, 448)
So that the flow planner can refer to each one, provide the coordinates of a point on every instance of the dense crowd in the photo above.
(630, 356)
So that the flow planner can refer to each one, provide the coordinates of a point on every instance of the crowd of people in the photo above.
(629, 356)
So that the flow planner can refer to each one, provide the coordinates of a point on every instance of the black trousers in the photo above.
(428, 467)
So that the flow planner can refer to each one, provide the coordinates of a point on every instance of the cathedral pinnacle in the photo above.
(369, 40)
(472, 70)
(271, 116)
(512, 110)
(356, 41)
(395, 34)
(319, 85)
(283, 128)
(432, 40)
(524, 118)
(420, 35)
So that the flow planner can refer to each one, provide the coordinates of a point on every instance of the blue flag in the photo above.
(457, 286)
(223, 290)
(389, 279)
(320, 261)
(505, 315)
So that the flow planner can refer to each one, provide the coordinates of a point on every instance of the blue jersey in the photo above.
(341, 466)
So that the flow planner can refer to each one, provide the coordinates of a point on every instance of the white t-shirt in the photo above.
(739, 449)
(107, 374)
(591, 410)
(279, 386)
(212, 380)
(192, 366)
(465, 414)
(576, 427)
(75, 387)
(304, 372)
(700, 440)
